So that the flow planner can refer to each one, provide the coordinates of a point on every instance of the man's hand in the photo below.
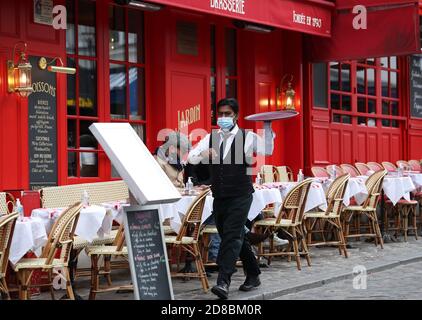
(209, 153)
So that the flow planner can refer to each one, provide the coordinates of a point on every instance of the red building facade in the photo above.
(168, 68)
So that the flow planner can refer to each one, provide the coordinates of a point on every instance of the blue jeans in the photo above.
(215, 240)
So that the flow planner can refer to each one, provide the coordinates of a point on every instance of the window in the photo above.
(231, 77)
(319, 82)
(354, 99)
(224, 69)
(82, 108)
(127, 68)
(340, 93)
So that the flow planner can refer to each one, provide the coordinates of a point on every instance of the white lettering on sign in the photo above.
(236, 6)
(307, 20)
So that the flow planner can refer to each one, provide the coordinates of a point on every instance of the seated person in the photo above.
(169, 156)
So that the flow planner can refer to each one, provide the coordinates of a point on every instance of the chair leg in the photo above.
(107, 269)
(4, 289)
(415, 226)
(50, 281)
(304, 246)
(405, 210)
(69, 289)
(200, 268)
(94, 277)
(377, 230)
(24, 281)
(296, 249)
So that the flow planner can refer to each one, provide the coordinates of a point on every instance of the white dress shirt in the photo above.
(253, 143)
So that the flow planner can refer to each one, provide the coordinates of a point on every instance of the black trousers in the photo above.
(231, 215)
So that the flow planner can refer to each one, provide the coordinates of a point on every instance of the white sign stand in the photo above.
(147, 182)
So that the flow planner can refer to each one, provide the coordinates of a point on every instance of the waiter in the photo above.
(229, 151)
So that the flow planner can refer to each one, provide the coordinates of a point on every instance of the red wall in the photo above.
(174, 83)
(16, 25)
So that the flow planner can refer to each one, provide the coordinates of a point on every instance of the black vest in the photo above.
(229, 176)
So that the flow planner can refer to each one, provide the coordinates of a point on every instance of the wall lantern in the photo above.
(285, 95)
(43, 64)
(19, 77)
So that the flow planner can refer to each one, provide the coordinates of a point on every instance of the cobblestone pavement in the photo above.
(399, 283)
(282, 279)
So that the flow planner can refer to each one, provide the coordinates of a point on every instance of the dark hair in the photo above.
(231, 102)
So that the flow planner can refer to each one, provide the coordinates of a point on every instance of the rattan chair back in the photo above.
(362, 168)
(415, 165)
(6, 204)
(193, 218)
(405, 165)
(284, 174)
(375, 166)
(389, 166)
(61, 235)
(374, 186)
(293, 206)
(350, 169)
(268, 173)
(335, 194)
(99, 192)
(320, 172)
(7, 226)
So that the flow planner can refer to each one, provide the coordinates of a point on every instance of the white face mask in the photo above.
(225, 123)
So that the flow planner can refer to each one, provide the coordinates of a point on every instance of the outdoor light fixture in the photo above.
(19, 78)
(253, 27)
(286, 96)
(43, 64)
(140, 4)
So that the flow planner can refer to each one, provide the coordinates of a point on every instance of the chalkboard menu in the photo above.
(147, 254)
(42, 103)
(416, 86)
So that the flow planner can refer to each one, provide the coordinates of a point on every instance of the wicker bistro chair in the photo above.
(268, 173)
(95, 252)
(60, 238)
(415, 165)
(368, 208)
(391, 167)
(375, 166)
(99, 192)
(7, 226)
(188, 239)
(339, 170)
(5, 203)
(289, 220)
(348, 168)
(320, 172)
(404, 164)
(332, 215)
(362, 168)
(284, 174)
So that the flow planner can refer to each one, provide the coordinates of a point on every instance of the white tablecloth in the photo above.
(93, 220)
(316, 195)
(175, 211)
(397, 187)
(29, 235)
(416, 179)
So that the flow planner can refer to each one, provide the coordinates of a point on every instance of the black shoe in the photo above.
(221, 290)
(255, 238)
(250, 283)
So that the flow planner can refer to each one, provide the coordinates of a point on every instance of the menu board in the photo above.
(416, 86)
(147, 254)
(42, 122)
